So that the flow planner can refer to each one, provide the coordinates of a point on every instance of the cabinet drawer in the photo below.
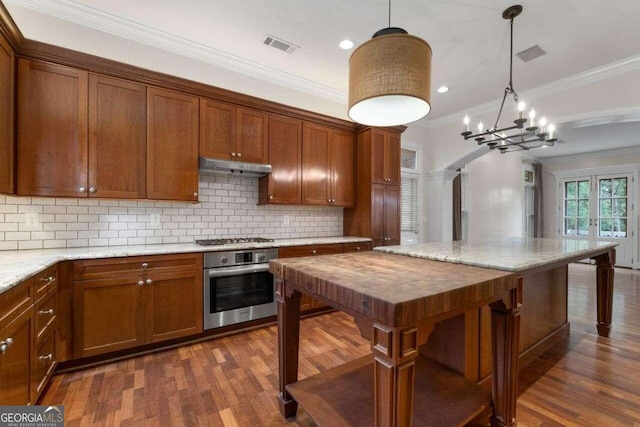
(299, 251)
(357, 247)
(45, 281)
(16, 301)
(127, 266)
(42, 365)
(45, 316)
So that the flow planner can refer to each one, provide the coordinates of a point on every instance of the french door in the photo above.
(600, 208)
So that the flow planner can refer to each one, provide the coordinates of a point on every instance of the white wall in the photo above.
(495, 196)
(227, 208)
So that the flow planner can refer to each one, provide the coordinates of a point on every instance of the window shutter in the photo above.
(409, 206)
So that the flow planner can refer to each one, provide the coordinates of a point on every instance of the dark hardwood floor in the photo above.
(583, 380)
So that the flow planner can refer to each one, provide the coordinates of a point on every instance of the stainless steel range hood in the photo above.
(227, 167)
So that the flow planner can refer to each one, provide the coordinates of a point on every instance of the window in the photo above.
(576, 208)
(612, 207)
(409, 206)
(409, 159)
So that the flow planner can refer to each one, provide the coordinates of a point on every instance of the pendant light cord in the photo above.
(509, 89)
(389, 14)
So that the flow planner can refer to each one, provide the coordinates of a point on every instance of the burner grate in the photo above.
(235, 241)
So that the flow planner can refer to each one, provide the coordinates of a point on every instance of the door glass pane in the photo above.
(576, 208)
(583, 226)
(583, 208)
(620, 187)
(619, 208)
(605, 188)
(612, 207)
(570, 190)
(583, 189)
(571, 208)
(570, 226)
(605, 227)
(605, 207)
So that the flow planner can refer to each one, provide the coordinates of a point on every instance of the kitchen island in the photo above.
(397, 301)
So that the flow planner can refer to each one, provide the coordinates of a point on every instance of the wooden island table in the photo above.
(397, 301)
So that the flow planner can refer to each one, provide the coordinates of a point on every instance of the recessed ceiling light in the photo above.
(346, 44)
(442, 89)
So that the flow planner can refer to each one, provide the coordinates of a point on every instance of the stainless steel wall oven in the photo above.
(238, 287)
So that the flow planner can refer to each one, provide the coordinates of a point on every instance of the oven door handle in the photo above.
(236, 271)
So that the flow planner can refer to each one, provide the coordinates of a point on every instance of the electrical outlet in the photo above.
(285, 220)
(155, 219)
(32, 221)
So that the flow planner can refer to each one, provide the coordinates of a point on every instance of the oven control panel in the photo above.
(231, 258)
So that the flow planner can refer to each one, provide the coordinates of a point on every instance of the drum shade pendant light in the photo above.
(390, 79)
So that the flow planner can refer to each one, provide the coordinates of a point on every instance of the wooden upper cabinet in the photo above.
(172, 145)
(328, 166)
(252, 136)
(342, 152)
(7, 143)
(315, 164)
(385, 157)
(233, 133)
(52, 130)
(285, 156)
(117, 138)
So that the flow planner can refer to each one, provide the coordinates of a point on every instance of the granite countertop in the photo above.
(507, 254)
(16, 266)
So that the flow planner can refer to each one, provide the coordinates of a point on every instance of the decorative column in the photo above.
(439, 201)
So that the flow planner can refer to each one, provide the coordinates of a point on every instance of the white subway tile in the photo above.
(66, 235)
(51, 244)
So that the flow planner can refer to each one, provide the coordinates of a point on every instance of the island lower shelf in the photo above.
(344, 396)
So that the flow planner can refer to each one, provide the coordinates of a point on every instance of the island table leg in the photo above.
(288, 303)
(505, 335)
(604, 277)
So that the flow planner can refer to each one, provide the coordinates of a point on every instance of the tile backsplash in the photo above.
(227, 208)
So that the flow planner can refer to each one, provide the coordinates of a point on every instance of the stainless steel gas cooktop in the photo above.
(216, 242)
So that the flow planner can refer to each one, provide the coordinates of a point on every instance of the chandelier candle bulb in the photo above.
(521, 107)
(552, 129)
(480, 127)
(466, 123)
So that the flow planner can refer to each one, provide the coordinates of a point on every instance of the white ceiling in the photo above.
(469, 38)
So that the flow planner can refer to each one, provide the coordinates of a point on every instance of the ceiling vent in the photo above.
(531, 53)
(280, 44)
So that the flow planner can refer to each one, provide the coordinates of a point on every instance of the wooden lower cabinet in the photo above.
(43, 363)
(15, 360)
(155, 303)
(306, 302)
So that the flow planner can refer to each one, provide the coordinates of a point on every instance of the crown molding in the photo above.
(612, 69)
(93, 18)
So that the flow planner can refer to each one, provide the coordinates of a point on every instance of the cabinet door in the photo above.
(217, 129)
(315, 164)
(342, 151)
(377, 157)
(42, 365)
(108, 315)
(392, 215)
(285, 157)
(172, 146)
(15, 360)
(252, 136)
(52, 130)
(7, 146)
(173, 305)
(377, 215)
(117, 138)
(392, 158)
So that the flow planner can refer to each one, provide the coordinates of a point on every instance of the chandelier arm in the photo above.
(504, 98)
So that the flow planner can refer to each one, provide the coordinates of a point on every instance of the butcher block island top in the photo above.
(395, 300)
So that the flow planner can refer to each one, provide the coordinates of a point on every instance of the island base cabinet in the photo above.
(15, 358)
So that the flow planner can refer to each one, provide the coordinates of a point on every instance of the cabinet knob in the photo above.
(313, 252)
(92, 189)
(233, 154)
(149, 281)
(49, 312)
(140, 283)
(333, 200)
(357, 248)
(239, 154)
(270, 197)
(195, 194)
(47, 357)
(329, 200)
(145, 265)
(82, 189)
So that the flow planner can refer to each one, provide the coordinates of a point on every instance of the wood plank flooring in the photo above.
(583, 380)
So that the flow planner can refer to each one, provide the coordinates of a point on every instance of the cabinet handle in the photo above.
(49, 279)
(239, 154)
(82, 189)
(270, 197)
(313, 252)
(92, 189)
(149, 281)
(195, 194)
(357, 248)
(233, 154)
(140, 283)
(145, 265)
(47, 357)
(49, 312)
(4, 345)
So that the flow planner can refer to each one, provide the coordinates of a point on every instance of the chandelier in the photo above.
(526, 133)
